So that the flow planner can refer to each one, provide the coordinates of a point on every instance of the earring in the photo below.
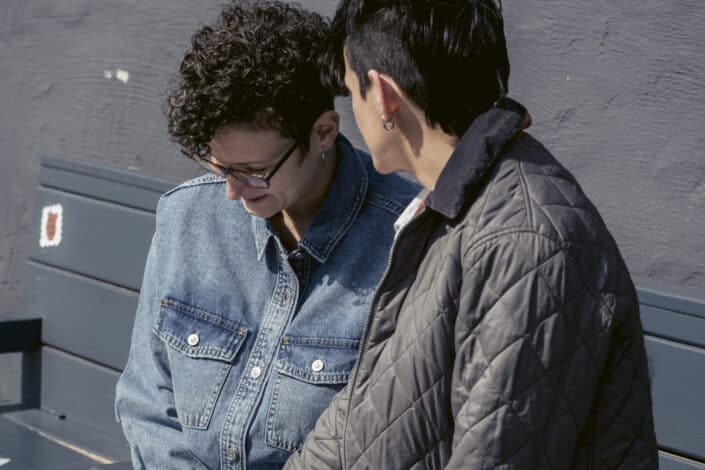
(323, 156)
(387, 123)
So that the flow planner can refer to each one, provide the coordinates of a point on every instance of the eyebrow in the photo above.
(259, 165)
(237, 166)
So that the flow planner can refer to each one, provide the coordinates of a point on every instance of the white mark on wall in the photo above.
(122, 75)
(4, 461)
(52, 225)
(117, 74)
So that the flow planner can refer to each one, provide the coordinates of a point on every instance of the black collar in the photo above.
(474, 155)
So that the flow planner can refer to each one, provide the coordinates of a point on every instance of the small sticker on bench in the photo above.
(52, 221)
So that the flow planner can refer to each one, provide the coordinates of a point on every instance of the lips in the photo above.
(253, 199)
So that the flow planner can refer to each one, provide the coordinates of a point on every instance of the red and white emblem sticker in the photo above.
(52, 219)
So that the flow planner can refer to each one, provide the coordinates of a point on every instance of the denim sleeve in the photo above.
(144, 403)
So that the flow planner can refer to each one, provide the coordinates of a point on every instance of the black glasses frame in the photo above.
(251, 179)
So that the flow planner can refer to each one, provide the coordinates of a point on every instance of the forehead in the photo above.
(246, 144)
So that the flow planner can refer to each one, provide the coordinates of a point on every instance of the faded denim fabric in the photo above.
(239, 345)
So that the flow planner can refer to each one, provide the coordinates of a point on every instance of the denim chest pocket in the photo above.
(202, 347)
(309, 372)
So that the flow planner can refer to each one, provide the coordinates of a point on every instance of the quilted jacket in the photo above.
(505, 332)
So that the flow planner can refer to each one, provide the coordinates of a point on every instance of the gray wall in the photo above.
(616, 89)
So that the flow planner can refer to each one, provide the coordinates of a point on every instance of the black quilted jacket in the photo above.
(506, 332)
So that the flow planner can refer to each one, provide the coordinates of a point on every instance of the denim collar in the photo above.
(337, 213)
(474, 155)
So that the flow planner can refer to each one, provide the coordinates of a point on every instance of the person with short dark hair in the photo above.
(260, 273)
(506, 331)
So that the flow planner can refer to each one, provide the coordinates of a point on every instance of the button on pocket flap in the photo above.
(197, 333)
(317, 360)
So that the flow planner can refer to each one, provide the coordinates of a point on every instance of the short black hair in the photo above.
(449, 56)
(257, 64)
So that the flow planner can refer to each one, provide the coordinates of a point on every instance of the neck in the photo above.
(428, 161)
(293, 222)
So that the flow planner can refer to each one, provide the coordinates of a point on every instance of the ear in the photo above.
(386, 93)
(325, 131)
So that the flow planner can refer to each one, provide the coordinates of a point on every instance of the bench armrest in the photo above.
(20, 335)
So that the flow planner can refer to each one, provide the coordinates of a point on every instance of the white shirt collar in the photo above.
(411, 210)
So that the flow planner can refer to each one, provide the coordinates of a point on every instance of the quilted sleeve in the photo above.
(322, 448)
(532, 337)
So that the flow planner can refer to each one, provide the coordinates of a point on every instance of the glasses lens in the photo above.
(251, 180)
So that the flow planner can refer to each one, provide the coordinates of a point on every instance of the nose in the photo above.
(234, 188)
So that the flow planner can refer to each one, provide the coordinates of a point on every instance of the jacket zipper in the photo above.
(365, 331)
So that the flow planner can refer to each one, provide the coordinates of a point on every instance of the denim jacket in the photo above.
(239, 345)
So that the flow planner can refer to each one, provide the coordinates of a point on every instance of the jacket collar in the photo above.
(474, 155)
(337, 213)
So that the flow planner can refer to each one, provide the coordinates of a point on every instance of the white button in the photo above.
(255, 373)
(232, 453)
(193, 339)
(317, 365)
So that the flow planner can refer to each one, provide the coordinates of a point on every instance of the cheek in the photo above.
(289, 181)
(364, 117)
(355, 105)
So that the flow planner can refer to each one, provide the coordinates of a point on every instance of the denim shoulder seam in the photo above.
(200, 181)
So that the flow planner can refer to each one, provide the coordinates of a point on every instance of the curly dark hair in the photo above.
(258, 64)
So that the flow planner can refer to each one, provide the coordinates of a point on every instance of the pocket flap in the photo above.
(317, 360)
(197, 333)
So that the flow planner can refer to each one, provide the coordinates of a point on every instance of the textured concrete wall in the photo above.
(616, 88)
(617, 91)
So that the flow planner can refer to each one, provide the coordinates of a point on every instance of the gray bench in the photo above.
(674, 323)
(71, 336)
(72, 331)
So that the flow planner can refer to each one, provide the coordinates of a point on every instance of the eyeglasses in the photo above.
(254, 179)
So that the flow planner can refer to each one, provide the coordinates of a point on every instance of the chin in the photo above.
(264, 212)
(387, 166)
(382, 166)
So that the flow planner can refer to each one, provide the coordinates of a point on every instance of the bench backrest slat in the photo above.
(101, 240)
(80, 315)
(672, 462)
(674, 325)
(97, 182)
(679, 413)
(84, 392)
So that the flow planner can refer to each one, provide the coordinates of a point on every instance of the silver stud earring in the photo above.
(387, 123)
(323, 156)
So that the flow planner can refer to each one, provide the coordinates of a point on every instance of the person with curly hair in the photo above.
(260, 274)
